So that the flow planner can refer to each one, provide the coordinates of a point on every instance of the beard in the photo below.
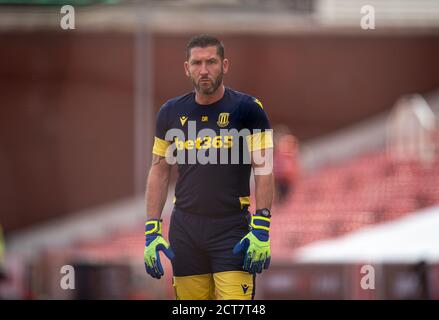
(212, 87)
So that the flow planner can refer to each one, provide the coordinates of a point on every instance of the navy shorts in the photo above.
(204, 244)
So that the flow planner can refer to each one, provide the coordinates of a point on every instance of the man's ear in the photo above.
(186, 69)
(225, 65)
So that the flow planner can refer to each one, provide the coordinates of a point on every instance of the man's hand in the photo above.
(256, 245)
(154, 243)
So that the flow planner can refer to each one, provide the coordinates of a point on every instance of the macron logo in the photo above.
(183, 120)
(244, 288)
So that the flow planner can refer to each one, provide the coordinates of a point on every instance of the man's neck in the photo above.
(211, 98)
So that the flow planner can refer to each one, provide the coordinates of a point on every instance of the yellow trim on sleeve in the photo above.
(160, 147)
(259, 103)
(244, 201)
(260, 140)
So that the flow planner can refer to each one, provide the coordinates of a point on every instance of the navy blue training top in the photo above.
(211, 144)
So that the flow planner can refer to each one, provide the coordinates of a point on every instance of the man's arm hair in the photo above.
(262, 162)
(157, 187)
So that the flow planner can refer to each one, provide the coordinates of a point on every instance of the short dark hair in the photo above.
(203, 41)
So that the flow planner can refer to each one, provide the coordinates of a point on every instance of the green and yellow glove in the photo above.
(256, 245)
(155, 243)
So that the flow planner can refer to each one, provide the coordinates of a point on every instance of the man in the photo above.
(214, 252)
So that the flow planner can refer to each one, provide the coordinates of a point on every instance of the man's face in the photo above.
(205, 69)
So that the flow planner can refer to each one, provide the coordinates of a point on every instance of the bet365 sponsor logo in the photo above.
(205, 143)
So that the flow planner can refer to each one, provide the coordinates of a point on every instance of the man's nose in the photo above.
(203, 69)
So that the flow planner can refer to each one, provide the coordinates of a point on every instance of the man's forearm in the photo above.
(157, 187)
(262, 161)
(264, 189)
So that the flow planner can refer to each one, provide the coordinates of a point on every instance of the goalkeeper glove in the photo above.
(256, 244)
(154, 243)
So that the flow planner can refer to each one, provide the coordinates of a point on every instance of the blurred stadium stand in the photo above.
(412, 238)
(79, 108)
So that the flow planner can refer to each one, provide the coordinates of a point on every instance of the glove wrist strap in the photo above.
(260, 223)
(153, 226)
